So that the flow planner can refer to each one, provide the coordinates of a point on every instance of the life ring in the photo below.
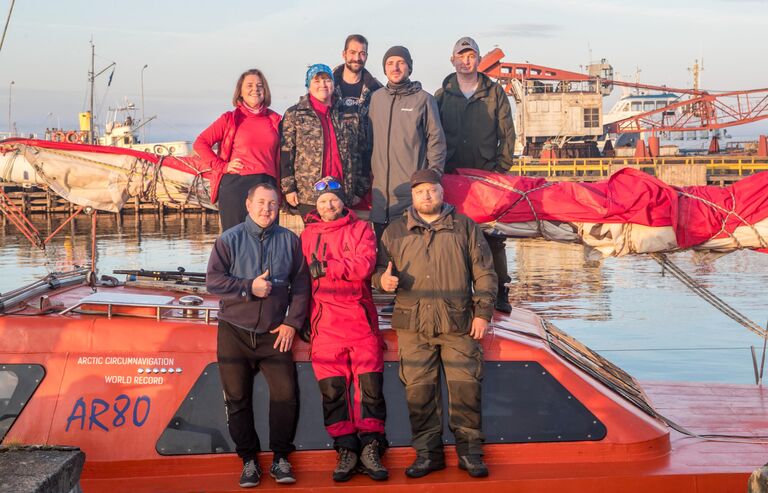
(72, 137)
(82, 136)
(58, 136)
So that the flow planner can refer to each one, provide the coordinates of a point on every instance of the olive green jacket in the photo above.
(479, 131)
(445, 272)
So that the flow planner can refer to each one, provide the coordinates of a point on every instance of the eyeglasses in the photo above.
(327, 185)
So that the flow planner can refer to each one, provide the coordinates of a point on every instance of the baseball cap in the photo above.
(465, 43)
(425, 176)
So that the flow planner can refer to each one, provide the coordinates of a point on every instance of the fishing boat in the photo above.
(126, 370)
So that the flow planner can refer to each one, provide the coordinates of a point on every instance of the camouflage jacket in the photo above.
(301, 151)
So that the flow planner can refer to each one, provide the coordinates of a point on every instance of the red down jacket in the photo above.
(342, 308)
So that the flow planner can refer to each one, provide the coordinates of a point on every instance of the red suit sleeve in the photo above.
(209, 137)
(361, 264)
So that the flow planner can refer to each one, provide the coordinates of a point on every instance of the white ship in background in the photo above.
(631, 104)
(121, 129)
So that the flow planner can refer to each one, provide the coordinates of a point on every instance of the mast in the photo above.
(91, 79)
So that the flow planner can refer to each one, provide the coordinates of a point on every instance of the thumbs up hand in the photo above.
(388, 280)
(261, 287)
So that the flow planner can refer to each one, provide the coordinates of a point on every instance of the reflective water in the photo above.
(650, 325)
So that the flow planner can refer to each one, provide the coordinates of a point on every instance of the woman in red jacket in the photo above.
(248, 147)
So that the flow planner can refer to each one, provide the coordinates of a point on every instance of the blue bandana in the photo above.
(315, 69)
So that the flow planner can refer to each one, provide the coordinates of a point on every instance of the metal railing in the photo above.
(602, 167)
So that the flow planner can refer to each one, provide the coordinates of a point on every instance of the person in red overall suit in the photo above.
(346, 345)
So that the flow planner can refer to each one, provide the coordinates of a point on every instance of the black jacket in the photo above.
(479, 131)
(242, 254)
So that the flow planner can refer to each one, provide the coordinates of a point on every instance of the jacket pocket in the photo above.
(404, 315)
(459, 317)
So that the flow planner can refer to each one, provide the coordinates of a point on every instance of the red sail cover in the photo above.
(697, 214)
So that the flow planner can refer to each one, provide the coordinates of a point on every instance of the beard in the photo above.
(429, 209)
(328, 216)
(355, 67)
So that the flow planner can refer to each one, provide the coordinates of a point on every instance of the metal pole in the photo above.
(143, 128)
(10, 99)
(92, 77)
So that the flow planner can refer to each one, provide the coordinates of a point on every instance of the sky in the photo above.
(195, 49)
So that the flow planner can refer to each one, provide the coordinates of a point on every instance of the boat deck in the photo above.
(637, 454)
(694, 465)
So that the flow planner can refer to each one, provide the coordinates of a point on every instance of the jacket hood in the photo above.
(406, 89)
(451, 85)
(369, 80)
(445, 220)
(317, 225)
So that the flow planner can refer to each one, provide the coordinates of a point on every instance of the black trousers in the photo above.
(499, 253)
(233, 190)
(241, 355)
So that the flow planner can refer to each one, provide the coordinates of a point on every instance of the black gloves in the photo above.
(317, 268)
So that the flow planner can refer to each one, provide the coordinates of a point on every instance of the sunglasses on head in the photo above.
(327, 185)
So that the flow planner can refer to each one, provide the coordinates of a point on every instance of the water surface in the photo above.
(651, 325)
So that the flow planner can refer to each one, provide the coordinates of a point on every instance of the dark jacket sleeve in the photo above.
(382, 259)
(363, 169)
(507, 136)
(300, 289)
(484, 280)
(436, 148)
(203, 145)
(288, 152)
(219, 281)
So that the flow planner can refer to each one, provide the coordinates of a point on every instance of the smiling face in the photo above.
(466, 62)
(427, 198)
(321, 87)
(329, 207)
(252, 91)
(262, 206)
(355, 56)
(396, 69)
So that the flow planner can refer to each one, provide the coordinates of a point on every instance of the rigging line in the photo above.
(7, 22)
(707, 295)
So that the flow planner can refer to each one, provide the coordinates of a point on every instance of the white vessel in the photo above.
(631, 104)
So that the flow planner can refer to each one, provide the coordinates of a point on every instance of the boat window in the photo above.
(625, 107)
(637, 106)
(522, 403)
(660, 104)
(17, 384)
(648, 106)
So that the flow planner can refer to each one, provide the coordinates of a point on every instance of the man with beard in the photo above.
(479, 133)
(347, 347)
(440, 266)
(407, 136)
(355, 85)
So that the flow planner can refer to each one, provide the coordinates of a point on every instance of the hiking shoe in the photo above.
(474, 465)
(502, 301)
(251, 475)
(346, 462)
(423, 466)
(281, 471)
(370, 460)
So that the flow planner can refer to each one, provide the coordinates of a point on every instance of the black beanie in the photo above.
(400, 51)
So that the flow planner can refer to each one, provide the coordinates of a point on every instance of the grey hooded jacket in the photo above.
(407, 136)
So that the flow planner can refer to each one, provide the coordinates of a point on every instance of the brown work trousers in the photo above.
(461, 358)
